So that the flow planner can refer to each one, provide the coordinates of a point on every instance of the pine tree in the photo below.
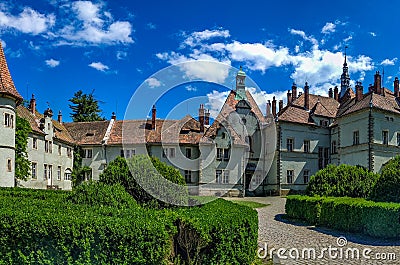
(85, 107)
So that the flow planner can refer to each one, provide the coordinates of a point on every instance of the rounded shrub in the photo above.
(342, 181)
(387, 187)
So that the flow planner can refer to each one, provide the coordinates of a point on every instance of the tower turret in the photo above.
(345, 77)
(240, 85)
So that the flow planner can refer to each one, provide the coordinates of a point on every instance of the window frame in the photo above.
(356, 137)
(307, 143)
(385, 137)
(290, 142)
(289, 176)
(34, 171)
(306, 176)
(59, 171)
(188, 176)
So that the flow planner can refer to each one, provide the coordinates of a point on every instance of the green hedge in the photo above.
(347, 214)
(86, 226)
(387, 187)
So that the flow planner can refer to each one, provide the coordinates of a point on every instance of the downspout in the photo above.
(370, 137)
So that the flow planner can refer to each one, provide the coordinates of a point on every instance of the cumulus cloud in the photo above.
(389, 61)
(328, 28)
(373, 34)
(199, 36)
(153, 82)
(52, 63)
(302, 34)
(99, 66)
(215, 101)
(28, 21)
(191, 88)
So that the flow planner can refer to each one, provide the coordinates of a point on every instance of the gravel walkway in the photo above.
(274, 232)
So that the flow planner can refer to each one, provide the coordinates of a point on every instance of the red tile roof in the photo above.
(7, 86)
(88, 133)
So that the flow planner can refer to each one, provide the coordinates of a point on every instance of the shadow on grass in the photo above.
(356, 238)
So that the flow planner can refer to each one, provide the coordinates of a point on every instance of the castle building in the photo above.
(234, 155)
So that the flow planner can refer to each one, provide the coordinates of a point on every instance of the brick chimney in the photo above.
(294, 92)
(396, 87)
(59, 117)
(274, 106)
(268, 112)
(359, 91)
(289, 97)
(330, 92)
(32, 104)
(201, 117)
(207, 118)
(306, 97)
(153, 117)
(280, 105)
(378, 83)
(336, 93)
(113, 116)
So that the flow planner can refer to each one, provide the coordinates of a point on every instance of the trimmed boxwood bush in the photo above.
(387, 187)
(99, 224)
(342, 181)
(379, 219)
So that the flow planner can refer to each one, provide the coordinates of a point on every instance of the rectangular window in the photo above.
(188, 176)
(46, 146)
(50, 147)
(59, 173)
(34, 170)
(9, 165)
(289, 176)
(256, 180)
(320, 157)
(45, 172)
(226, 154)
(188, 152)
(220, 153)
(69, 151)
(385, 137)
(59, 149)
(306, 146)
(34, 143)
(67, 176)
(88, 175)
(398, 139)
(129, 153)
(165, 152)
(122, 154)
(326, 157)
(50, 172)
(218, 176)
(306, 176)
(8, 120)
(334, 148)
(88, 153)
(172, 152)
(225, 179)
(356, 137)
(289, 144)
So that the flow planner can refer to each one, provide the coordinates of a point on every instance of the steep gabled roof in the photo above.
(221, 120)
(87, 133)
(7, 86)
(60, 131)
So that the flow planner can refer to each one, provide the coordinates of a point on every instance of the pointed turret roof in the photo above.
(7, 86)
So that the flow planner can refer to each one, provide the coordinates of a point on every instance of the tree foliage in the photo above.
(387, 187)
(22, 164)
(343, 180)
(139, 175)
(85, 107)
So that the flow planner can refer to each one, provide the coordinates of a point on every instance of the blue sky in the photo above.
(57, 47)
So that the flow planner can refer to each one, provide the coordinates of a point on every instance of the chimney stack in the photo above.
(289, 97)
(336, 93)
(207, 118)
(59, 117)
(330, 92)
(201, 117)
(359, 91)
(32, 104)
(153, 117)
(113, 116)
(274, 107)
(294, 92)
(378, 83)
(280, 105)
(396, 87)
(268, 112)
(306, 97)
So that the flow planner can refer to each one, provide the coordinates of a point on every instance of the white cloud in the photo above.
(153, 82)
(328, 28)
(99, 66)
(198, 36)
(348, 38)
(215, 102)
(52, 63)
(151, 25)
(87, 12)
(373, 34)
(191, 88)
(389, 61)
(28, 21)
(302, 34)
(121, 55)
